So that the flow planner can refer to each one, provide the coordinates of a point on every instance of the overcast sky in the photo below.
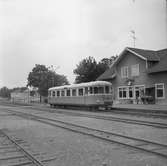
(63, 32)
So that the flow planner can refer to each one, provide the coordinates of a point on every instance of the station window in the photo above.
(74, 92)
(58, 93)
(122, 93)
(68, 92)
(160, 93)
(135, 70)
(62, 93)
(80, 92)
(126, 92)
(124, 72)
(130, 92)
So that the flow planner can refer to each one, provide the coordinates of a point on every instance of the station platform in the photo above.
(146, 107)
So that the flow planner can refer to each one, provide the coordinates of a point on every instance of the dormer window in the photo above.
(135, 70)
(124, 72)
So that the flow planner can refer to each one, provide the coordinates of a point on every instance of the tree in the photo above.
(85, 71)
(21, 89)
(89, 70)
(43, 78)
(5, 92)
(109, 61)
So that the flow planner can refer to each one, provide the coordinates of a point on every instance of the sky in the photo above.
(63, 32)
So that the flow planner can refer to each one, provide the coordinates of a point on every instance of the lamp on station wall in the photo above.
(129, 83)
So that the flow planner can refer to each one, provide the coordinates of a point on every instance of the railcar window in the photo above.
(95, 90)
(107, 89)
(101, 89)
(74, 92)
(91, 90)
(58, 93)
(68, 92)
(80, 92)
(86, 90)
(62, 93)
(53, 93)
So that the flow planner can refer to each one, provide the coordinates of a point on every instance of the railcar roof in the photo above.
(93, 83)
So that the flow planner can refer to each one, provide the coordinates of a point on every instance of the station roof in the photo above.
(86, 84)
(148, 55)
(161, 66)
(160, 57)
(108, 74)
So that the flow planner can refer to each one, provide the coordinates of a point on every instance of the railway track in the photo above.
(141, 113)
(109, 118)
(10, 145)
(15, 152)
(127, 141)
(117, 119)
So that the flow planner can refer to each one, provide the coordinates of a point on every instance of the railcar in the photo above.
(91, 95)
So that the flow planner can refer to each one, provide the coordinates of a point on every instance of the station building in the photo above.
(139, 76)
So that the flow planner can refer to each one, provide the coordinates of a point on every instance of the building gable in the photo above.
(127, 62)
(156, 57)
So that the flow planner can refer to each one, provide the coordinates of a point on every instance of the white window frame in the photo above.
(137, 73)
(54, 93)
(123, 71)
(143, 86)
(121, 87)
(163, 97)
(127, 91)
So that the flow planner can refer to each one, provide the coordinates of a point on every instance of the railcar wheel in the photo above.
(90, 108)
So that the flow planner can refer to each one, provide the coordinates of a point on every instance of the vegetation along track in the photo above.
(135, 143)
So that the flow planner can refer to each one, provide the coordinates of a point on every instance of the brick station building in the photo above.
(139, 76)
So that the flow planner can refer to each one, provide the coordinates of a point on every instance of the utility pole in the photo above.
(133, 34)
(134, 38)
(54, 71)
